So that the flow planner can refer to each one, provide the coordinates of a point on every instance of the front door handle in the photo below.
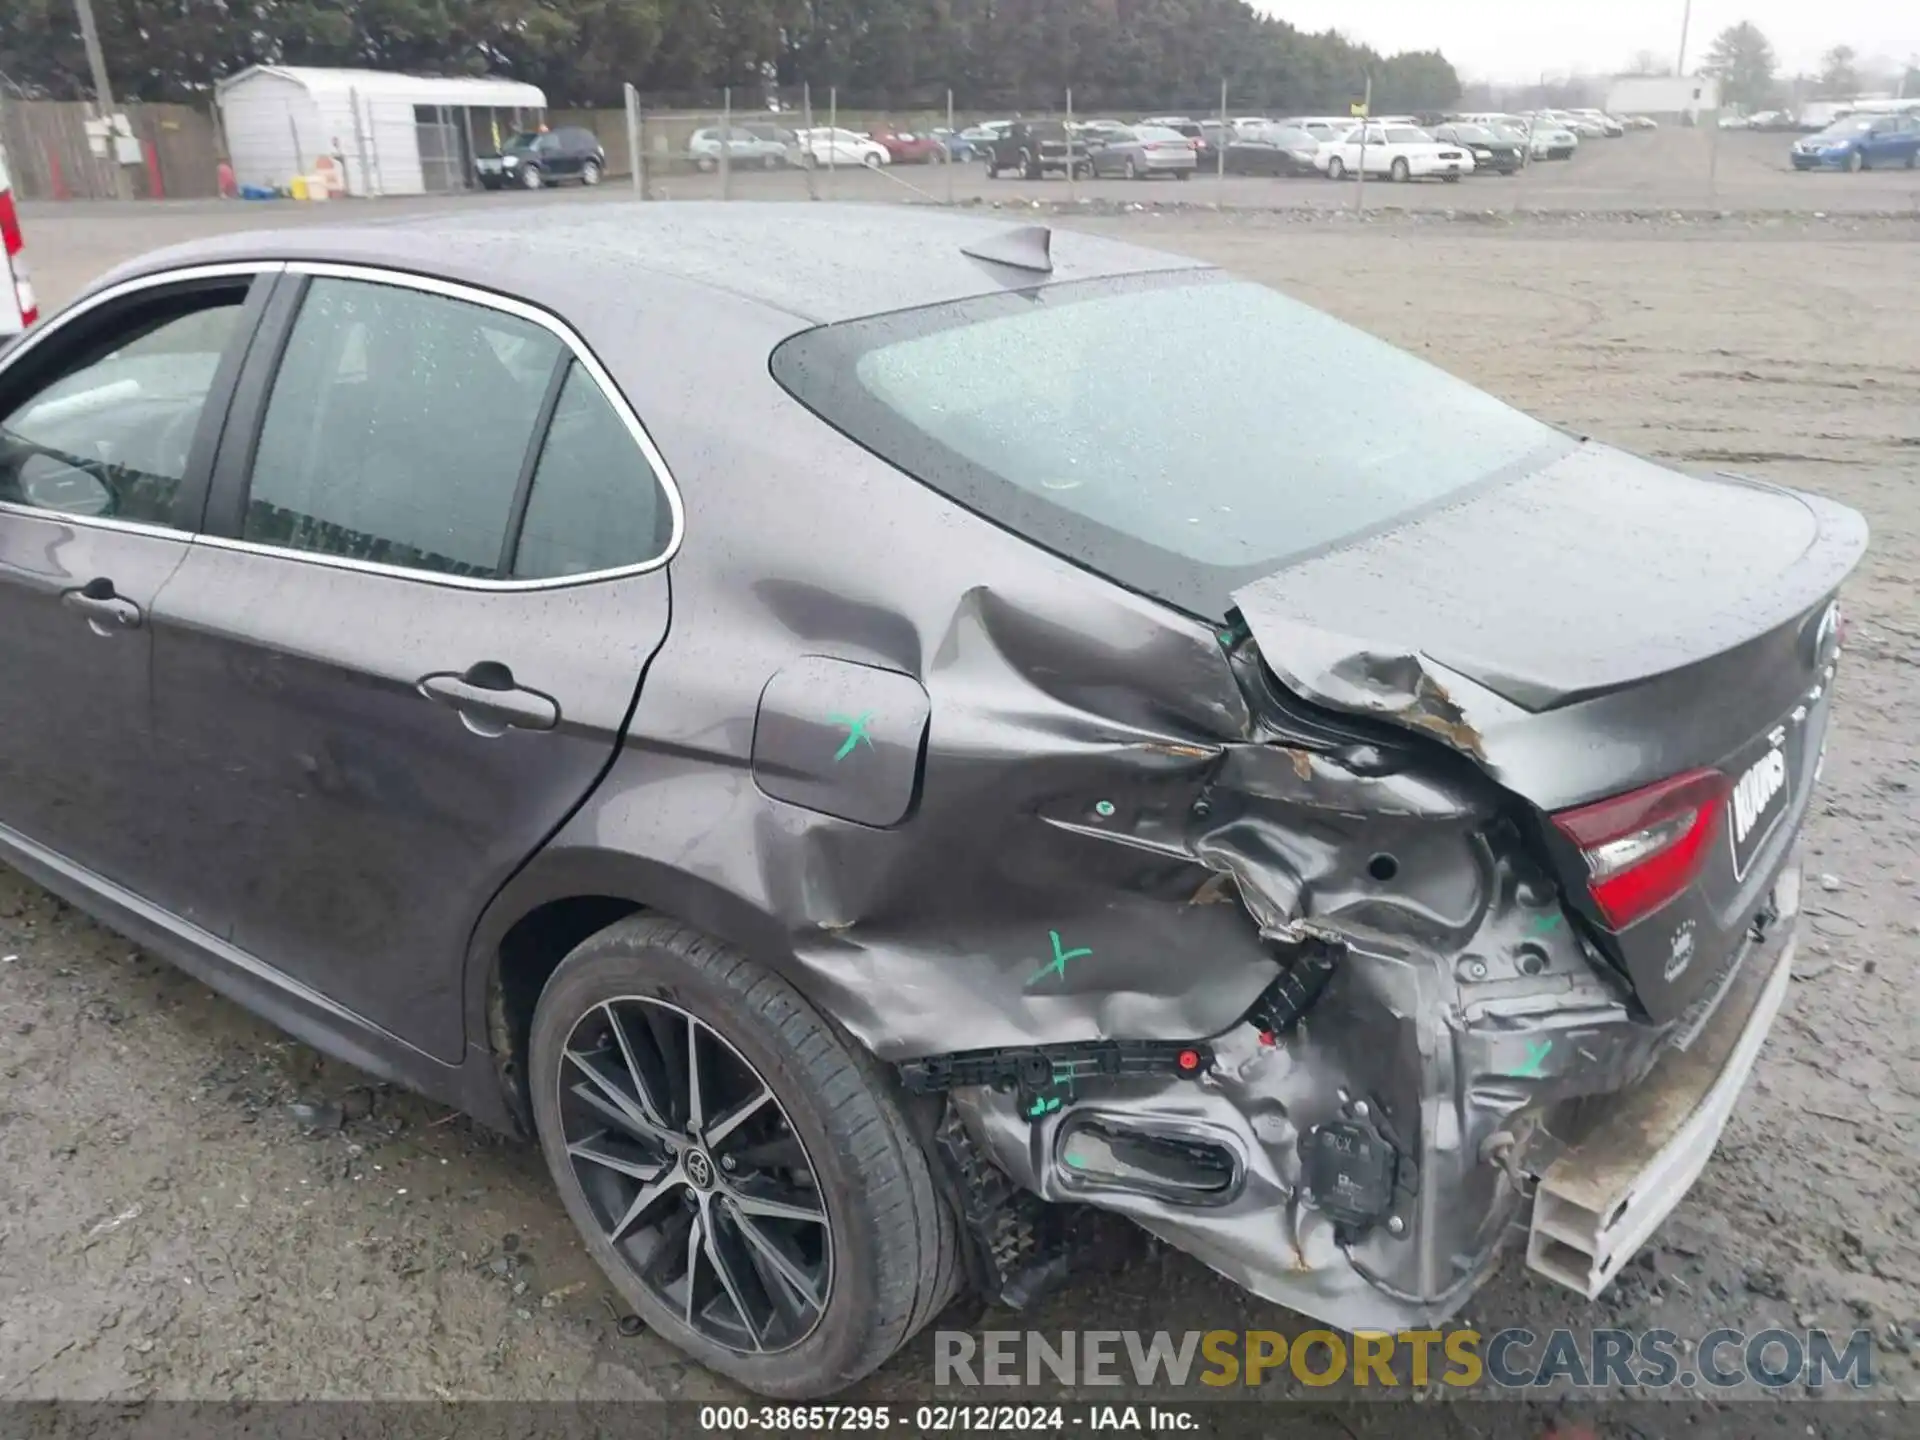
(489, 702)
(106, 610)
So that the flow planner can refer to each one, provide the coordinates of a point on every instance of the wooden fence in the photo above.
(51, 157)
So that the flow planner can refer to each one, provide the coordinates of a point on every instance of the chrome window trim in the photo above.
(86, 305)
(432, 285)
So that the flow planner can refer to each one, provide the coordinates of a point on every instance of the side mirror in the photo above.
(49, 483)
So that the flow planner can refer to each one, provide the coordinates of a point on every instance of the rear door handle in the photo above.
(489, 702)
(105, 610)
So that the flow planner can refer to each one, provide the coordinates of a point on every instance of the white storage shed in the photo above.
(387, 134)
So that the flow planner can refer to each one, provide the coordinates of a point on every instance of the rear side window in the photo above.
(596, 503)
(397, 428)
(436, 434)
(1253, 431)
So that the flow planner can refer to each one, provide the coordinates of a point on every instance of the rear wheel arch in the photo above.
(560, 900)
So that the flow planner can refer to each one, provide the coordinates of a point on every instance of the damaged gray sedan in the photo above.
(874, 735)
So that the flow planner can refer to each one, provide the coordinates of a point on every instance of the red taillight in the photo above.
(1644, 848)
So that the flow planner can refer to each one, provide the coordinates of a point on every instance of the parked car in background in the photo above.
(1548, 139)
(824, 145)
(544, 157)
(976, 140)
(1500, 151)
(1399, 152)
(1273, 150)
(1141, 152)
(1773, 121)
(1861, 142)
(954, 144)
(741, 147)
(780, 135)
(906, 147)
(1205, 147)
(1034, 149)
(1321, 127)
(1640, 122)
(1611, 128)
(1817, 115)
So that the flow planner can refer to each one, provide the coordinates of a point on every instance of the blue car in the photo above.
(1861, 142)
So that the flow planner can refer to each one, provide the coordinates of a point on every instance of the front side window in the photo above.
(397, 428)
(110, 437)
(1170, 468)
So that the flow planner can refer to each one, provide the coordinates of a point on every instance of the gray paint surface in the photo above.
(1119, 828)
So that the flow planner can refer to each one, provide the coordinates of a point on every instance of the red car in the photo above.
(909, 149)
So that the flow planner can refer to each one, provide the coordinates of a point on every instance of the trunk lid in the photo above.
(1592, 628)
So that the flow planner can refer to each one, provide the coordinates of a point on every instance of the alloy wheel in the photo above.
(695, 1175)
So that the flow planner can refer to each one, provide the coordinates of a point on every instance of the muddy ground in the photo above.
(192, 1205)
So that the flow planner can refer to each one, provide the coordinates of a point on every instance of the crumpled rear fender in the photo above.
(1100, 829)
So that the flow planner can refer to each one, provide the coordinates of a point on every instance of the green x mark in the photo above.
(1057, 965)
(856, 732)
(1536, 1057)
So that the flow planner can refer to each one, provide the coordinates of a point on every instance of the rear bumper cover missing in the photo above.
(1597, 1204)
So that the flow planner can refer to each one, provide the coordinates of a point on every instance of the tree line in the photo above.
(1011, 54)
(1743, 60)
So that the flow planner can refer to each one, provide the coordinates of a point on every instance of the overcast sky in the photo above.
(1518, 39)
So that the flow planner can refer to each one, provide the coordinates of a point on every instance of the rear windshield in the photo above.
(1180, 434)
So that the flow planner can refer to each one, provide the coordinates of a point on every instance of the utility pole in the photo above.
(103, 94)
(1686, 22)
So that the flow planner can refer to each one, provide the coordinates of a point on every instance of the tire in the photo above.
(1856, 162)
(1133, 170)
(1913, 159)
(1336, 169)
(706, 164)
(530, 177)
(871, 161)
(888, 1257)
(769, 162)
(1453, 179)
(1183, 174)
(1029, 168)
(993, 171)
(1400, 171)
(590, 173)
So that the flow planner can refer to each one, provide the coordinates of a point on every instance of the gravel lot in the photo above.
(193, 1206)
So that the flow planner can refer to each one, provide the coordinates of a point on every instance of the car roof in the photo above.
(817, 263)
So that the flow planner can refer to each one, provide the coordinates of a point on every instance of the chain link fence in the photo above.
(817, 142)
